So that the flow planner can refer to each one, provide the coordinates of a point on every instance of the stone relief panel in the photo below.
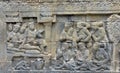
(28, 63)
(83, 47)
(26, 40)
(79, 45)
(59, 36)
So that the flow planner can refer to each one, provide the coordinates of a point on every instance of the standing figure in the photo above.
(10, 45)
(83, 34)
(98, 32)
(67, 33)
(65, 53)
(40, 41)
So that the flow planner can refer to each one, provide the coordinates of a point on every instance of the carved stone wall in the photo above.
(59, 36)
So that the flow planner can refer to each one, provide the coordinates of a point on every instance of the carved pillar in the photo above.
(3, 55)
(3, 50)
(48, 28)
(116, 57)
(48, 21)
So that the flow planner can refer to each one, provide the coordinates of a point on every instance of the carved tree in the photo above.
(113, 28)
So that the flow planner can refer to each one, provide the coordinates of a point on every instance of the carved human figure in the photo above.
(40, 41)
(70, 52)
(13, 40)
(65, 49)
(66, 37)
(16, 33)
(101, 57)
(67, 33)
(29, 38)
(83, 34)
(99, 61)
(84, 50)
(10, 36)
(10, 27)
(23, 33)
(31, 33)
(82, 57)
(38, 64)
(67, 55)
(22, 65)
(98, 32)
(97, 35)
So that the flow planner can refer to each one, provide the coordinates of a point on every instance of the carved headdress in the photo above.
(68, 24)
(98, 24)
(16, 25)
(83, 24)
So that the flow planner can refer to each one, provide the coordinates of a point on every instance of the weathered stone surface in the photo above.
(59, 36)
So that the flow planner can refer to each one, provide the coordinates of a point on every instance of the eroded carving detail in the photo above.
(83, 49)
(27, 41)
(114, 36)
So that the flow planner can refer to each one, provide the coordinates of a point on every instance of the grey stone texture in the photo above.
(59, 36)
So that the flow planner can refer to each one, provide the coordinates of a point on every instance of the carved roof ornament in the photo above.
(113, 18)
